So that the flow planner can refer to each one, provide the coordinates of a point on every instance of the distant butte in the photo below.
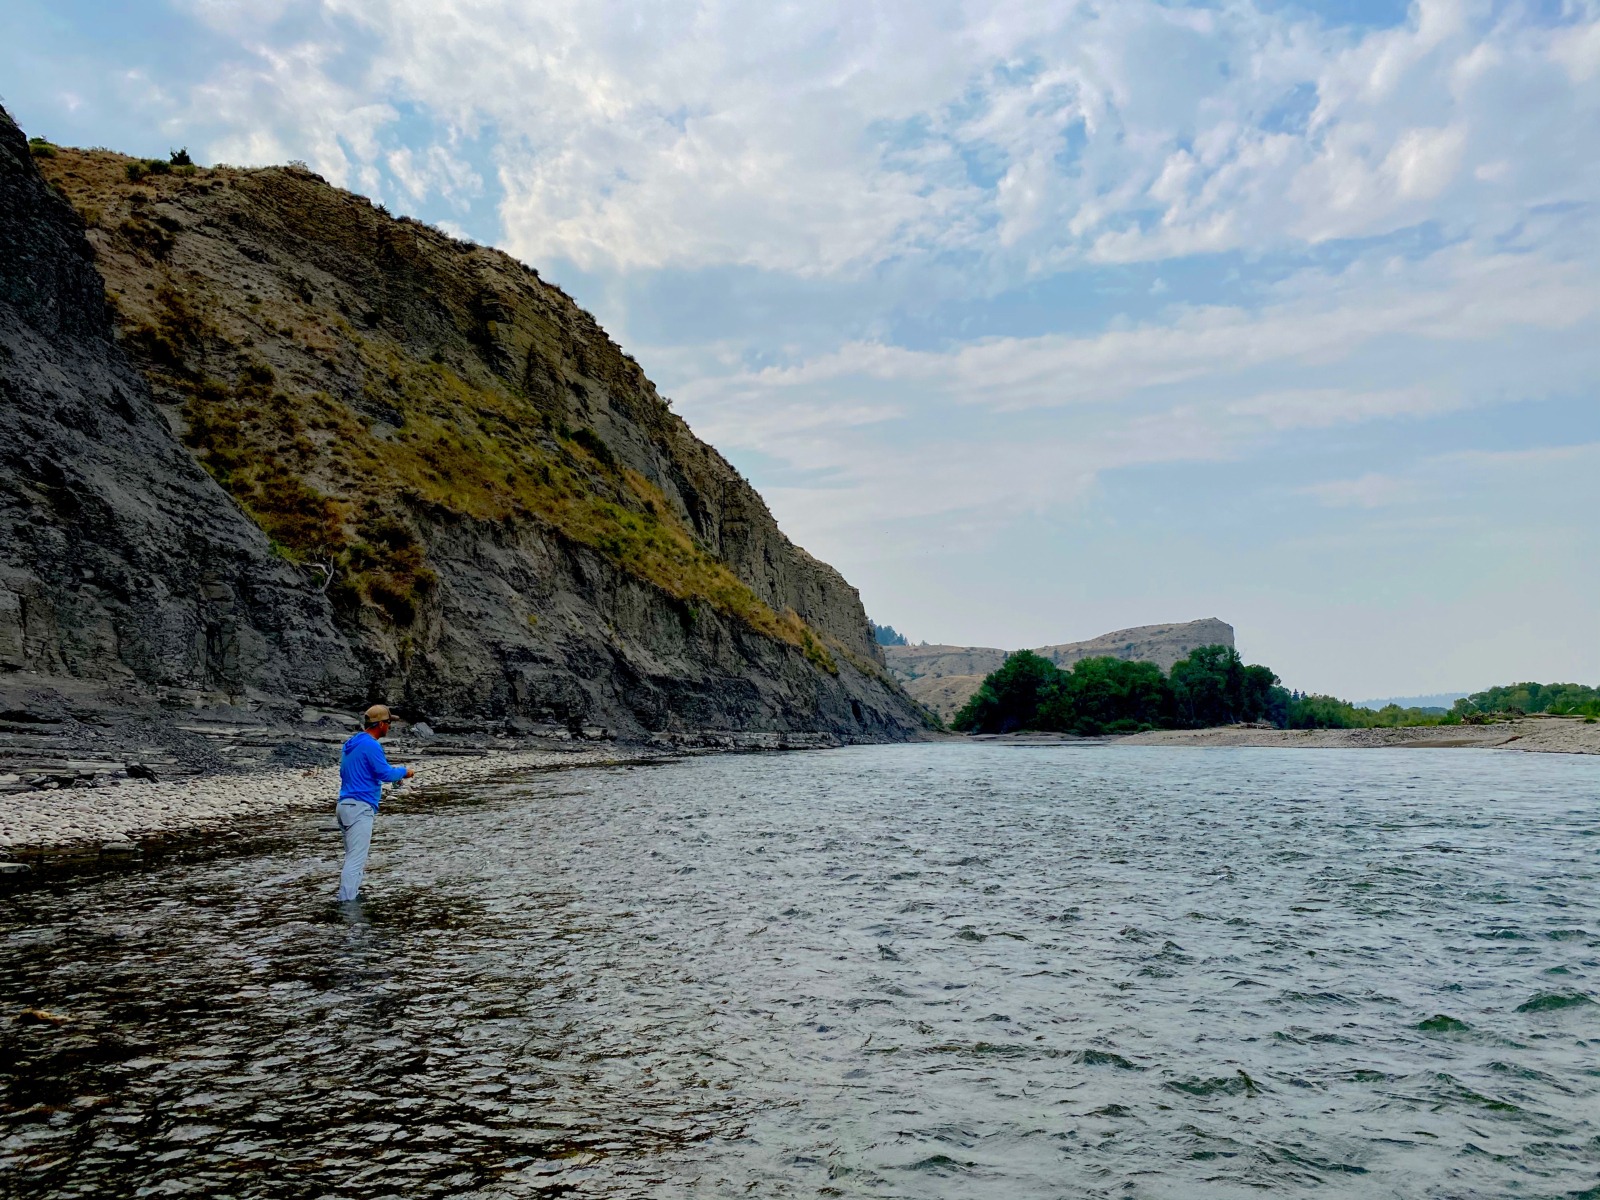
(945, 677)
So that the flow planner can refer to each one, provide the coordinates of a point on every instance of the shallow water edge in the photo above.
(939, 971)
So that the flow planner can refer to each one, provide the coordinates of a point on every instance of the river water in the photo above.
(913, 971)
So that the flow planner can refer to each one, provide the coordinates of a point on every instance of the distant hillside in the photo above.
(1440, 700)
(945, 677)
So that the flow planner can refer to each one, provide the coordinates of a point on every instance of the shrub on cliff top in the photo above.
(886, 635)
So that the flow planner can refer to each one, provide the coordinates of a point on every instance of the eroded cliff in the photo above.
(295, 450)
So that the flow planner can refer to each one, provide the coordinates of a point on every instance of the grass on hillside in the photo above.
(331, 484)
(466, 450)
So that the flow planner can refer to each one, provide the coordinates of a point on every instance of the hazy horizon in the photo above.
(1415, 700)
(1034, 321)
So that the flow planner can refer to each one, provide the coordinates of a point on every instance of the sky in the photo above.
(1036, 320)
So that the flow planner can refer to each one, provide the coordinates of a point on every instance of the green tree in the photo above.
(1325, 712)
(1108, 695)
(1259, 701)
(1279, 703)
(1208, 687)
(1009, 699)
(1212, 686)
(886, 635)
(1562, 699)
(1329, 712)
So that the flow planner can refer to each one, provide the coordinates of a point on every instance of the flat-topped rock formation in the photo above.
(945, 677)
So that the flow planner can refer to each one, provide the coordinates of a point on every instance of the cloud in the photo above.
(1444, 480)
(1371, 490)
(1578, 50)
(985, 430)
(941, 271)
(827, 139)
(435, 171)
(1312, 319)
(288, 104)
(996, 144)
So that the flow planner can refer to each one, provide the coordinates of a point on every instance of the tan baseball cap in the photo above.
(378, 714)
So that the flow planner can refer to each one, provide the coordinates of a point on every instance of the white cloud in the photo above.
(990, 428)
(1444, 480)
(829, 139)
(1323, 408)
(289, 105)
(1578, 50)
(824, 139)
(434, 171)
(1372, 490)
(1456, 296)
(1413, 215)
(1424, 161)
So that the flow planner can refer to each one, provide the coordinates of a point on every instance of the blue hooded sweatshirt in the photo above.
(364, 770)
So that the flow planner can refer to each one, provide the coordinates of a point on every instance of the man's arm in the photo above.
(387, 773)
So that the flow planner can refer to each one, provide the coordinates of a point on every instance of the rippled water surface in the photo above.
(918, 971)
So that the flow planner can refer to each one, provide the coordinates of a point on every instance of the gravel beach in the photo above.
(114, 818)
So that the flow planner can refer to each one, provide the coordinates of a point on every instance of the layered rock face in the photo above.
(945, 677)
(120, 559)
(262, 442)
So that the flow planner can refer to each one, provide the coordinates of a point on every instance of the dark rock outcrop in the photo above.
(120, 559)
(125, 561)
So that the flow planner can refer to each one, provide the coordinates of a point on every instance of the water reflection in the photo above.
(902, 971)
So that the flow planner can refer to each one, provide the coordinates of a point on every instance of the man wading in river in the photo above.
(362, 773)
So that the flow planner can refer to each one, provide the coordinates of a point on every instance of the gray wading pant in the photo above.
(355, 820)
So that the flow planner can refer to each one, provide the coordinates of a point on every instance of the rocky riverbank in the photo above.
(82, 775)
(114, 813)
(115, 819)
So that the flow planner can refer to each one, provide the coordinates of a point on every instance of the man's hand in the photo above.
(409, 772)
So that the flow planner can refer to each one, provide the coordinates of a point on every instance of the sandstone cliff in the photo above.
(262, 442)
(945, 677)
